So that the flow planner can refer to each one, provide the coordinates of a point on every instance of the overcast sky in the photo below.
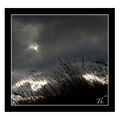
(56, 36)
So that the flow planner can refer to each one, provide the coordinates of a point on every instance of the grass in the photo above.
(67, 86)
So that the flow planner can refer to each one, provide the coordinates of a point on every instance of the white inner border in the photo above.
(64, 15)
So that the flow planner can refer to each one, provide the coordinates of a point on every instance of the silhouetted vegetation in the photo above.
(68, 86)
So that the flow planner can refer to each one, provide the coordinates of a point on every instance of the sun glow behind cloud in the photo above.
(34, 47)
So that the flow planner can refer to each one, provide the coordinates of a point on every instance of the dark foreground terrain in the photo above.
(72, 87)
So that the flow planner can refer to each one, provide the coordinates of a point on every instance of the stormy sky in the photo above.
(37, 40)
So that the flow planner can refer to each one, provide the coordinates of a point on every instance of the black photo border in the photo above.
(109, 11)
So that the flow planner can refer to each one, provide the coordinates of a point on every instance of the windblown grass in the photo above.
(68, 85)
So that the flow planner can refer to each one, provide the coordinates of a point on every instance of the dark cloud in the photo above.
(57, 36)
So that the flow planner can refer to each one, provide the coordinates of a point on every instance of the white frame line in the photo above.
(64, 15)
